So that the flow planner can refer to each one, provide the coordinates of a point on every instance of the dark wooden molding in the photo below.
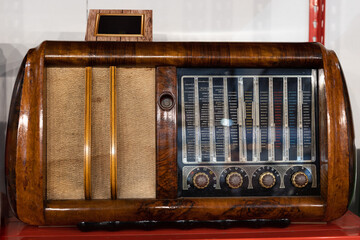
(338, 138)
(30, 185)
(11, 137)
(166, 133)
(293, 208)
(351, 138)
(184, 54)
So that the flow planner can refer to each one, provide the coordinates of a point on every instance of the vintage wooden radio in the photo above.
(134, 131)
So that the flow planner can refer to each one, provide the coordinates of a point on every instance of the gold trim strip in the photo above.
(113, 147)
(87, 147)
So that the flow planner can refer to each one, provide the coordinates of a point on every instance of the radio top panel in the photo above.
(133, 131)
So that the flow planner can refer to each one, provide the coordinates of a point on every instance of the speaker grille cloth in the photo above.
(135, 133)
(100, 134)
(65, 133)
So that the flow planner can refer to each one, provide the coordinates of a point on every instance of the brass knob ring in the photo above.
(202, 184)
(299, 183)
(231, 183)
(264, 180)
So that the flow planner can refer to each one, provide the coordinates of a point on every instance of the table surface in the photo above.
(347, 227)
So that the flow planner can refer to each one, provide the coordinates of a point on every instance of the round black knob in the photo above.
(299, 179)
(267, 180)
(234, 180)
(166, 101)
(201, 180)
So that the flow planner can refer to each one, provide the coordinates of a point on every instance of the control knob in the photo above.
(201, 180)
(299, 179)
(267, 180)
(234, 180)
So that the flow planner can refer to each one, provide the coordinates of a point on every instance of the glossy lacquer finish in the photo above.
(26, 146)
(338, 139)
(11, 137)
(166, 166)
(26, 153)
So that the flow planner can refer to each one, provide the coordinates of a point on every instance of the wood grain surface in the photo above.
(294, 208)
(11, 138)
(339, 139)
(30, 151)
(183, 54)
(166, 135)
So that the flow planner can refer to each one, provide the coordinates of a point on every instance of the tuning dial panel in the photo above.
(248, 126)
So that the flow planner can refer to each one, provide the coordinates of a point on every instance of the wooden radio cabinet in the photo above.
(135, 131)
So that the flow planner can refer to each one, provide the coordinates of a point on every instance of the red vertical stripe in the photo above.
(317, 21)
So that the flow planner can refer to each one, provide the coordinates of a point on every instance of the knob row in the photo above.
(234, 180)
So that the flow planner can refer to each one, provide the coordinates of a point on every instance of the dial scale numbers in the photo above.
(248, 119)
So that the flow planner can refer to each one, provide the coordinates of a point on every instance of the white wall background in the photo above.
(26, 23)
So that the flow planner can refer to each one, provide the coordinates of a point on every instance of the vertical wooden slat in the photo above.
(166, 133)
(87, 147)
(113, 155)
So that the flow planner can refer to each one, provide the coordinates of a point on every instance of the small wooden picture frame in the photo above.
(119, 25)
